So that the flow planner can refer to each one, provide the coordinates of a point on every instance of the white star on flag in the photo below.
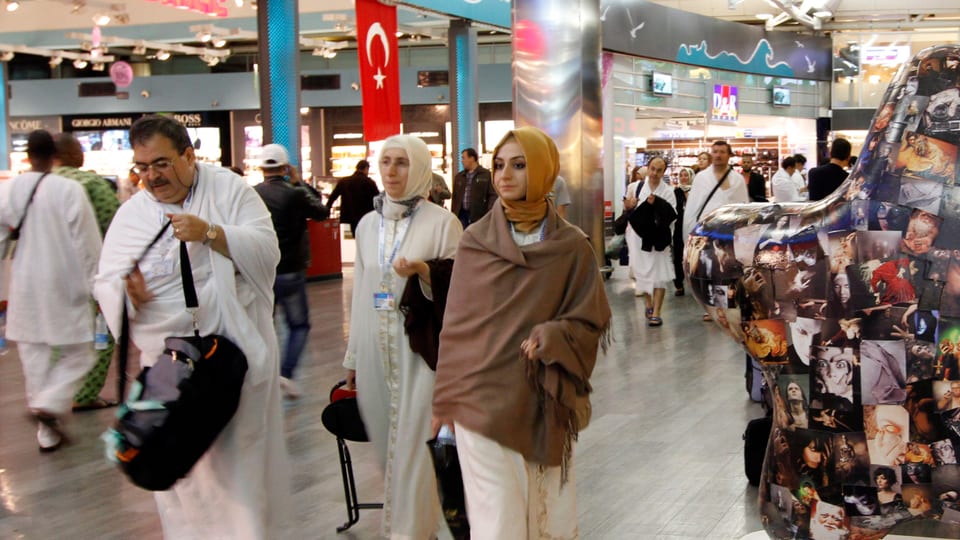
(379, 77)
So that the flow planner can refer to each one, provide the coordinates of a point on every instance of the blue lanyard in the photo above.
(402, 228)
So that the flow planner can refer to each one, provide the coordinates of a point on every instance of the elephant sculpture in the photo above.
(852, 306)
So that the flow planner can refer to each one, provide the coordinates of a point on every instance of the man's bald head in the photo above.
(69, 152)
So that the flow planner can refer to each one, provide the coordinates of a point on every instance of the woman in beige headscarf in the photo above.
(525, 315)
(395, 384)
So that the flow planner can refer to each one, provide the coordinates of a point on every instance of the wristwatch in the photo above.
(211, 234)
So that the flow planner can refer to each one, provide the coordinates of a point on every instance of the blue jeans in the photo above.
(290, 295)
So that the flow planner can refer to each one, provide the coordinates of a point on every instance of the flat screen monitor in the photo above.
(781, 97)
(662, 84)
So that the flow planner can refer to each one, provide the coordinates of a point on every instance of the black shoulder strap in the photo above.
(714, 190)
(123, 342)
(15, 233)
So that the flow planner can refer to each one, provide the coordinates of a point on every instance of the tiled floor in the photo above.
(662, 457)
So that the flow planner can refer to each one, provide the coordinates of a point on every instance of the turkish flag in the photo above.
(379, 71)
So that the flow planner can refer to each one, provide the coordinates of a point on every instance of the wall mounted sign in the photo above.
(725, 106)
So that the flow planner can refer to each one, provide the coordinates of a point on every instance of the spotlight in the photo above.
(101, 19)
(139, 49)
(79, 63)
(77, 6)
(55, 61)
(163, 55)
(219, 42)
(210, 60)
(6, 56)
(239, 3)
(86, 45)
(398, 33)
(97, 66)
(13, 5)
(204, 36)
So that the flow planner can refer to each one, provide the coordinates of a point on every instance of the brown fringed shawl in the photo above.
(500, 294)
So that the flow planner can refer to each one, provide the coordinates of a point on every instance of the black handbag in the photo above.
(179, 406)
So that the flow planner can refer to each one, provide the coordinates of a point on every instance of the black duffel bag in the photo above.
(178, 406)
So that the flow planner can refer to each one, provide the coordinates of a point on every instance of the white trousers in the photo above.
(51, 385)
(509, 497)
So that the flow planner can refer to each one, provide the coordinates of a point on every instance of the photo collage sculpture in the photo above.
(852, 306)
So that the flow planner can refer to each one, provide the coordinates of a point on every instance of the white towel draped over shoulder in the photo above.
(239, 487)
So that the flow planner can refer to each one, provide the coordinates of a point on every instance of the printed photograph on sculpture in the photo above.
(888, 429)
(834, 378)
(851, 459)
(947, 366)
(766, 340)
(804, 333)
(922, 232)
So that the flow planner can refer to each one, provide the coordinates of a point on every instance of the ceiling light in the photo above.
(304, 110)
(398, 33)
(210, 60)
(6, 56)
(101, 19)
(204, 36)
(163, 55)
(79, 63)
(823, 13)
(239, 3)
(764, 16)
(98, 66)
(219, 42)
(55, 61)
(12, 5)
(77, 6)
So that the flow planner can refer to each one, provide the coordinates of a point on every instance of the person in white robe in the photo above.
(241, 486)
(395, 385)
(51, 280)
(732, 190)
(652, 270)
(787, 184)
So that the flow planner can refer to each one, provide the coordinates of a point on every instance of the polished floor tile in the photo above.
(662, 457)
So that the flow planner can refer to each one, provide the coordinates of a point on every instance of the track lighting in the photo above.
(210, 60)
(139, 50)
(205, 37)
(98, 66)
(13, 5)
(101, 19)
(55, 61)
(163, 55)
(79, 64)
(219, 42)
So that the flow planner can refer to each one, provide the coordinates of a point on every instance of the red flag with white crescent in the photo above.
(379, 70)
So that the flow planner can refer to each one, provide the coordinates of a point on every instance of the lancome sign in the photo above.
(31, 123)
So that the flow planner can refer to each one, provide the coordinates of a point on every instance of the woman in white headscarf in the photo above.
(395, 383)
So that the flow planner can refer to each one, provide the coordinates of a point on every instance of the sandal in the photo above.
(94, 405)
(654, 321)
(648, 313)
(707, 317)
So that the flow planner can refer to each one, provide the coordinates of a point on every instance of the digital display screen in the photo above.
(781, 97)
(662, 84)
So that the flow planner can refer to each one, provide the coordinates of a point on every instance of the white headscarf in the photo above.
(419, 179)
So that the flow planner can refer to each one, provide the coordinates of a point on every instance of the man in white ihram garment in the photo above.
(732, 190)
(50, 285)
(239, 488)
(394, 384)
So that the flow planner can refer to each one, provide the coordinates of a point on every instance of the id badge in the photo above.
(383, 301)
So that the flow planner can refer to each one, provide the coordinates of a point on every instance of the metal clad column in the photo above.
(465, 110)
(278, 28)
(4, 120)
(556, 87)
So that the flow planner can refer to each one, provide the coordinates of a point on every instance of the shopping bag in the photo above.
(446, 465)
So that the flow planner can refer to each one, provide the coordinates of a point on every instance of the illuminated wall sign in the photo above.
(213, 8)
(884, 55)
(725, 106)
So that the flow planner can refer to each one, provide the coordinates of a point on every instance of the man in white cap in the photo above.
(290, 208)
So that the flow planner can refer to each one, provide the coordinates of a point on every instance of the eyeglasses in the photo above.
(159, 167)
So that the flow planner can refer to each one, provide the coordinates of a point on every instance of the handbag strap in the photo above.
(189, 290)
(123, 342)
(16, 230)
(714, 190)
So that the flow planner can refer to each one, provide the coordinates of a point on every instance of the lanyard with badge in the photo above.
(384, 300)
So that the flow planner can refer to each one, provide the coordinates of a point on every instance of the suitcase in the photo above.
(755, 439)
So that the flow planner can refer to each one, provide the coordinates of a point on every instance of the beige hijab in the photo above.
(419, 179)
(543, 166)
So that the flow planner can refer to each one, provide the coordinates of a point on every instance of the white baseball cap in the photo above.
(273, 155)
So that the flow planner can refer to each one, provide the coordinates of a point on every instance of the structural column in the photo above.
(278, 29)
(556, 87)
(464, 107)
(4, 120)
